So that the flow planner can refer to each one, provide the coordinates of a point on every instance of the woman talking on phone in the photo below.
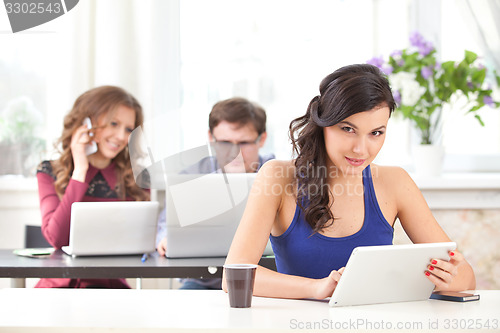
(94, 165)
(317, 208)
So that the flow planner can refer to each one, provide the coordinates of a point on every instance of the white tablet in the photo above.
(388, 273)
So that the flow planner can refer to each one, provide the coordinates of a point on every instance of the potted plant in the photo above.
(20, 140)
(422, 85)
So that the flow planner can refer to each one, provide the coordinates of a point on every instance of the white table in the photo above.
(70, 310)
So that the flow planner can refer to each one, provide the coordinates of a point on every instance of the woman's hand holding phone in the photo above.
(81, 147)
(91, 146)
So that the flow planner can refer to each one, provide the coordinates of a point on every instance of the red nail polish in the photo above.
(431, 268)
(434, 262)
(452, 253)
(427, 273)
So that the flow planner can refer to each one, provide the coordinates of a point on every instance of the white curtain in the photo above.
(483, 18)
(129, 43)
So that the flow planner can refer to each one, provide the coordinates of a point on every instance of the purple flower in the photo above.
(387, 69)
(416, 39)
(470, 85)
(376, 61)
(397, 97)
(426, 72)
(488, 101)
(424, 47)
(396, 53)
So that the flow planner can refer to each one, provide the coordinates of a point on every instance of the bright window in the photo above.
(275, 53)
(463, 134)
(272, 52)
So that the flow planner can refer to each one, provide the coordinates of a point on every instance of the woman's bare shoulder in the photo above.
(278, 170)
(393, 176)
(280, 163)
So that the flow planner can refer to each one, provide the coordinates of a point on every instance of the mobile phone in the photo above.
(91, 147)
(454, 296)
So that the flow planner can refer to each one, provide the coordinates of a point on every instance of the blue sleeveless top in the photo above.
(300, 252)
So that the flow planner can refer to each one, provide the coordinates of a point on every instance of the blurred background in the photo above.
(180, 57)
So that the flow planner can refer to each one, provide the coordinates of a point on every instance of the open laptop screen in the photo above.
(203, 212)
(112, 228)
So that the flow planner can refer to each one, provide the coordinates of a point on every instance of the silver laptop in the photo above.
(388, 273)
(203, 212)
(112, 228)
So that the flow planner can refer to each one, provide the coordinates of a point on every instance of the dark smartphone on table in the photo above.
(454, 296)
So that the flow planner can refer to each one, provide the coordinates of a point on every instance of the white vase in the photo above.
(428, 160)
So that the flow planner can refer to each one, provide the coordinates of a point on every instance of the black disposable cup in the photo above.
(240, 279)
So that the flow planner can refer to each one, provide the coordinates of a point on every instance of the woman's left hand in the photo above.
(442, 272)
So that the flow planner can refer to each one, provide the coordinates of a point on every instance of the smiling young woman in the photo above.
(104, 175)
(340, 199)
(111, 134)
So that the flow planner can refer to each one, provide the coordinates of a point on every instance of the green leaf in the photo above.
(479, 119)
(475, 108)
(478, 76)
(448, 66)
(470, 57)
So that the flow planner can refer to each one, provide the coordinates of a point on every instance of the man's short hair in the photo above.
(239, 111)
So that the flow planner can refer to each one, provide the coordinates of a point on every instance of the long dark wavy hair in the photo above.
(95, 102)
(347, 91)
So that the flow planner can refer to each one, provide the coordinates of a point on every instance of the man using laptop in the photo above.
(237, 129)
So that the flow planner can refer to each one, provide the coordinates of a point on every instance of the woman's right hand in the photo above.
(79, 140)
(326, 286)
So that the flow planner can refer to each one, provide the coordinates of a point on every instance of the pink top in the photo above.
(99, 186)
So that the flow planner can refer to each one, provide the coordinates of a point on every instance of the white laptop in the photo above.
(203, 212)
(112, 228)
(388, 273)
